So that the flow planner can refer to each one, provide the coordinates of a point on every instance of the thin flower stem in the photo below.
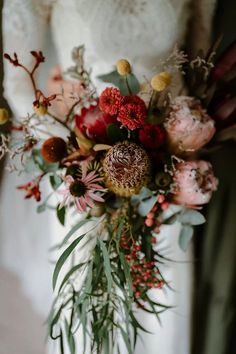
(31, 75)
(61, 343)
(60, 122)
(71, 110)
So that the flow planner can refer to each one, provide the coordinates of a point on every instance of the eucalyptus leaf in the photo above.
(70, 338)
(126, 340)
(55, 181)
(185, 236)
(63, 258)
(127, 273)
(61, 212)
(68, 275)
(120, 82)
(42, 164)
(143, 194)
(31, 166)
(73, 230)
(107, 264)
(192, 217)
(133, 83)
(146, 205)
(41, 208)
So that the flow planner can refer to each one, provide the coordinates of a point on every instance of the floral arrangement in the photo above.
(124, 159)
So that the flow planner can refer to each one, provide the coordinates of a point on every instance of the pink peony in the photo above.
(194, 183)
(188, 126)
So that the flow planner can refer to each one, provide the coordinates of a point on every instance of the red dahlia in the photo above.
(132, 115)
(135, 100)
(151, 136)
(110, 100)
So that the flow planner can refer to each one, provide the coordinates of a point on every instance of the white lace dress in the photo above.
(140, 30)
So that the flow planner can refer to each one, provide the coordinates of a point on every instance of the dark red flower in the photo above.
(13, 60)
(151, 136)
(38, 56)
(32, 189)
(132, 115)
(110, 100)
(93, 123)
(135, 100)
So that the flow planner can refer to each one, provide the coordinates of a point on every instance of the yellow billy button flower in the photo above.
(123, 67)
(40, 109)
(4, 116)
(160, 81)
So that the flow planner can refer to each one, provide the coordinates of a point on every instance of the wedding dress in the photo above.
(141, 31)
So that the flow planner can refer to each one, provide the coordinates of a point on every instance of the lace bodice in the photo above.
(141, 30)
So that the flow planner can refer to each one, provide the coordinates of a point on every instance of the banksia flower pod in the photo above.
(127, 169)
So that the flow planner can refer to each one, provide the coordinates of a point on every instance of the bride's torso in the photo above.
(143, 31)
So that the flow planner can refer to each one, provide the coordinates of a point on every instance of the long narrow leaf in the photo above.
(73, 230)
(107, 264)
(67, 276)
(63, 258)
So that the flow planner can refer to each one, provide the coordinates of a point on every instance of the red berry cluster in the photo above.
(145, 274)
(150, 220)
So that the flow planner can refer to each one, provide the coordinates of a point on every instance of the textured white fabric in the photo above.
(142, 31)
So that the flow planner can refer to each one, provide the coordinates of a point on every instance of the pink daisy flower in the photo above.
(82, 191)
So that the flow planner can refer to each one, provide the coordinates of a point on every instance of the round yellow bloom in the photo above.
(4, 116)
(160, 81)
(40, 109)
(123, 67)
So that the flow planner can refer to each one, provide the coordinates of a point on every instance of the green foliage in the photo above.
(43, 165)
(63, 258)
(106, 291)
(55, 181)
(145, 200)
(120, 81)
(185, 236)
(115, 133)
(188, 219)
(61, 213)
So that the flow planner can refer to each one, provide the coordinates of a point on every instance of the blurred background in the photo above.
(214, 310)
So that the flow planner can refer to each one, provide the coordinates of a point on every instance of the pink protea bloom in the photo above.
(82, 191)
(194, 183)
(188, 126)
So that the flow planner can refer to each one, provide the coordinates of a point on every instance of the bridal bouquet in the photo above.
(125, 163)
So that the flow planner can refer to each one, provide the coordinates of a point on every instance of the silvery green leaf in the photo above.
(61, 213)
(31, 166)
(120, 82)
(185, 236)
(146, 205)
(55, 181)
(41, 208)
(192, 217)
(133, 83)
(144, 193)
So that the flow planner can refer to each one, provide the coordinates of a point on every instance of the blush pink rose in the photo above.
(188, 126)
(194, 183)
